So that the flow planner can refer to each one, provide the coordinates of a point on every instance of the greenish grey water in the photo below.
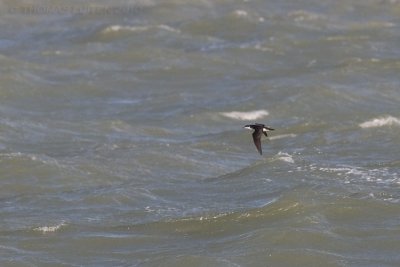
(121, 139)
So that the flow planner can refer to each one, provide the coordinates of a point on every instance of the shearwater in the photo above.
(259, 129)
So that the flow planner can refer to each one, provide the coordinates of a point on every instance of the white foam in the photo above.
(118, 28)
(303, 15)
(276, 137)
(381, 121)
(286, 157)
(240, 13)
(355, 174)
(247, 115)
(167, 28)
(49, 229)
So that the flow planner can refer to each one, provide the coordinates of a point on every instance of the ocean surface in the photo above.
(121, 139)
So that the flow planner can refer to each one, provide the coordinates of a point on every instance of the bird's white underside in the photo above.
(249, 128)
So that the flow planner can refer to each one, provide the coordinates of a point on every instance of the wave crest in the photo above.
(381, 121)
(247, 115)
(50, 229)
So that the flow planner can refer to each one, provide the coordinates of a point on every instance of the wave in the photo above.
(50, 229)
(281, 136)
(303, 15)
(31, 157)
(353, 174)
(247, 115)
(381, 121)
(285, 157)
(121, 28)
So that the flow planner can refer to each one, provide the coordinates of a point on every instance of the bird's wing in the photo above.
(267, 129)
(257, 140)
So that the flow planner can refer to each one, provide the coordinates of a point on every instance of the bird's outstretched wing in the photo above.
(266, 129)
(257, 140)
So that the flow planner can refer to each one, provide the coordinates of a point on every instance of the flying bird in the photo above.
(259, 129)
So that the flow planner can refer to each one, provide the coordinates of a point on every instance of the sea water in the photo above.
(121, 139)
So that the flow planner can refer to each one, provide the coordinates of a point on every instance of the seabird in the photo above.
(259, 129)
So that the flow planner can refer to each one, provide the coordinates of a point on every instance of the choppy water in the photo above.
(121, 140)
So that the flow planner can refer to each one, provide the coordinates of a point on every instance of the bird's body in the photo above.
(259, 130)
